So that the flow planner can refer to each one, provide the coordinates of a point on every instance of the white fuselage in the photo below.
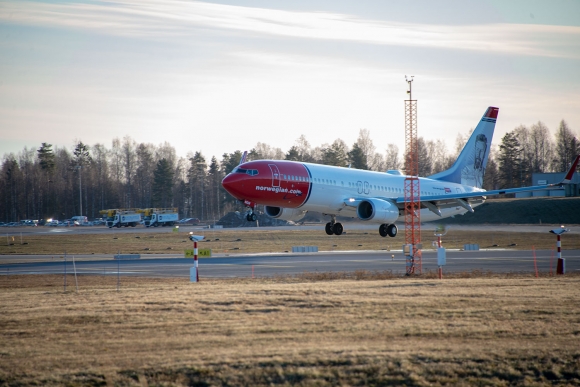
(331, 186)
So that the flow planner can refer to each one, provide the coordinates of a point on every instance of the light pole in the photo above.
(79, 167)
(200, 164)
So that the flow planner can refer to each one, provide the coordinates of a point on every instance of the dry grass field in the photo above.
(493, 330)
(255, 240)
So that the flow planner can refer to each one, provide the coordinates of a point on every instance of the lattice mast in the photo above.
(412, 188)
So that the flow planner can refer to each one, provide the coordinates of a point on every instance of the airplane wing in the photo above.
(435, 202)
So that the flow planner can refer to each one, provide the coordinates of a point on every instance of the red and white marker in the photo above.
(194, 271)
(561, 266)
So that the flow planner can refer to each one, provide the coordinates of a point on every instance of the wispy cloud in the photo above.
(172, 18)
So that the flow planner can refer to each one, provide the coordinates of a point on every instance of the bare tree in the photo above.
(541, 147)
(567, 147)
(305, 152)
(264, 151)
(129, 167)
(367, 147)
(392, 158)
(522, 133)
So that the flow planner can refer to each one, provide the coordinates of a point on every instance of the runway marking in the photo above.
(245, 264)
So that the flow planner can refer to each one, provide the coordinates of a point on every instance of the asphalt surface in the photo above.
(267, 265)
(46, 230)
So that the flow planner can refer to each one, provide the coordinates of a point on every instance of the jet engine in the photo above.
(291, 214)
(377, 210)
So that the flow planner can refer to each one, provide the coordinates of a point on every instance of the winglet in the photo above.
(570, 174)
(244, 157)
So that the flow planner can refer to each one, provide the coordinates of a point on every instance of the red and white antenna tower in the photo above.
(412, 189)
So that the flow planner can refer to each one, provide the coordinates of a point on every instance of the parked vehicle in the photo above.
(80, 219)
(122, 217)
(68, 223)
(155, 217)
(98, 222)
(189, 221)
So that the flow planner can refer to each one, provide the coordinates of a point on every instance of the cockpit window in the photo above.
(251, 172)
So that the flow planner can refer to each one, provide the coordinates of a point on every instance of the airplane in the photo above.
(289, 189)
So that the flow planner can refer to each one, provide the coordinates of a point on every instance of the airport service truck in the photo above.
(154, 217)
(121, 217)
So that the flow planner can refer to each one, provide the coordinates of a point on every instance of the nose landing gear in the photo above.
(250, 215)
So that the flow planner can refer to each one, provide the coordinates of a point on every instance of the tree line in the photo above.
(53, 182)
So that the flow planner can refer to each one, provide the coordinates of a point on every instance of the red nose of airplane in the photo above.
(233, 184)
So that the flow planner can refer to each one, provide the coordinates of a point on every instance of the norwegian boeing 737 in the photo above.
(289, 189)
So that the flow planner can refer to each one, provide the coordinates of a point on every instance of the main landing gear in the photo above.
(333, 227)
(388, 230)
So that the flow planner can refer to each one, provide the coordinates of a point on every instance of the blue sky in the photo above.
(220, 76)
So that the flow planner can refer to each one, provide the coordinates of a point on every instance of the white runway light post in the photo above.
(561, 267)
(440, 230)
(194, 271)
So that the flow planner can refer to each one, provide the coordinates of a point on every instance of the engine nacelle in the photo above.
(377, 210)
(291, 214)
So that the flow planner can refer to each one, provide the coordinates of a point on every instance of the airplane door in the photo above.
(275, 175)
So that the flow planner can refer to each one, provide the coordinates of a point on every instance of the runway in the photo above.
(268, 265)
(349, 226)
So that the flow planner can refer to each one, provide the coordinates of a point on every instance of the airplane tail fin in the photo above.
(568, 178)
(244, 157)
(469, 167)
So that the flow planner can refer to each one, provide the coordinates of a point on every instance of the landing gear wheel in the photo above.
(383, 230)
(251, 217)
(392, 230)
(337, 228)
(328, 228)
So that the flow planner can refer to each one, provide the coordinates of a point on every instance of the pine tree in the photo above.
(82, 155)
(509, 161)
(163, 184)
(197, 175)
(335, 154)
(293, 154)
(47, 164)
(46, 157)
(357, 158)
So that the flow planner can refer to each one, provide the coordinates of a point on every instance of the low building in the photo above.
(569, 190)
